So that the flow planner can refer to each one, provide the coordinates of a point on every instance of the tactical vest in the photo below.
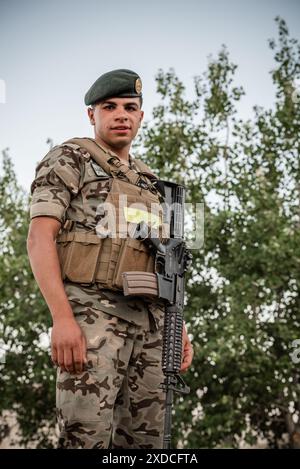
(88, 257)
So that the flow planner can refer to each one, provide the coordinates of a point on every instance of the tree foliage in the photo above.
(243, 290)
(27, 380)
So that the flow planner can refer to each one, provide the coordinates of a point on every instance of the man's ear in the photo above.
(90, 111)
(141, 119)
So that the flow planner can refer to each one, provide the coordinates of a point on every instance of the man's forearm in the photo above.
(46, 269)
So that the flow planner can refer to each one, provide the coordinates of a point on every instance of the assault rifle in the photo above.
(171, 260)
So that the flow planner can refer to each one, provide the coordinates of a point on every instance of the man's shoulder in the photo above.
(66, 162)
(65, 155)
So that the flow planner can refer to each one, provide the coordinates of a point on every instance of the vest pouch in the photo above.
(133, 256)
(107, 262)
(78, 254)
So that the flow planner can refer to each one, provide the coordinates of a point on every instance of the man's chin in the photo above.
(120, 143)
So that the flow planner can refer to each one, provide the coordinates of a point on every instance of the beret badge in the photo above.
(138, 85)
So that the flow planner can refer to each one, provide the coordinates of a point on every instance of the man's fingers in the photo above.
(60, 359)
(54, 355)
(187, 358)
(68, 360)
(78, 358)
(83, 341)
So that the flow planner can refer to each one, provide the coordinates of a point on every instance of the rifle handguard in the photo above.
(140, 284)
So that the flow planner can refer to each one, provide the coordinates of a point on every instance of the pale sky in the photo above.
(52, 51)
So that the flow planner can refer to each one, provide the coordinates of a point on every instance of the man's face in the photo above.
(116, 121)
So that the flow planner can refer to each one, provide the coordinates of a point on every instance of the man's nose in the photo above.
(121, 114)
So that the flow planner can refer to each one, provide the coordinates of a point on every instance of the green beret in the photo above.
(120, 83)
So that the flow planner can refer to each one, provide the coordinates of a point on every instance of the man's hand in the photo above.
(68, 345)
(187, 351)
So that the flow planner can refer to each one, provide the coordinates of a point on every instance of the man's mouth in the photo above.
(121, 128)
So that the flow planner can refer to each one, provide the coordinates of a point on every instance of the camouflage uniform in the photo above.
(117, 397)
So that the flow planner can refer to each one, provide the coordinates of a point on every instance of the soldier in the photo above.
(107, 347)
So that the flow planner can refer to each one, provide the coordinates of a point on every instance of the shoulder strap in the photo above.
(144, 169)
(108, 161)
(99, 154)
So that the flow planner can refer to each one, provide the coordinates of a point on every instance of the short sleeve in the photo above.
(56, 180)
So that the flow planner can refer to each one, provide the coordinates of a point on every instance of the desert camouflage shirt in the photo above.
(70, 186)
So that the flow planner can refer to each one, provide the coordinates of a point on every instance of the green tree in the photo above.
(27, 379)
(243, 290)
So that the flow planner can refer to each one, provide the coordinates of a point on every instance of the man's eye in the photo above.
(130, 108)
(109, 106)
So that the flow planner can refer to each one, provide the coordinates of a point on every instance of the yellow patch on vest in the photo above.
(136, 215)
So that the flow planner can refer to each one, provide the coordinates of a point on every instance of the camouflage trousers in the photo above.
(116, 401)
